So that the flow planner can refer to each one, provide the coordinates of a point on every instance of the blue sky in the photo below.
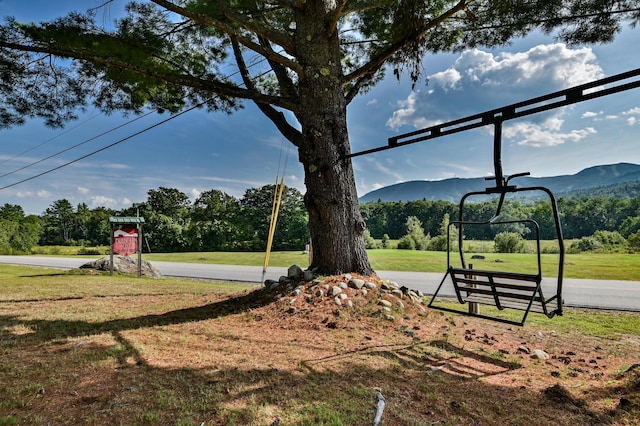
(198, 151)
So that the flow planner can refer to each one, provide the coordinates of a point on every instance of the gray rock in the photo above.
(525, 349)
(335, 290)
(539, 354)
(389, 317)
(385, 303)
(356, 283)
(400, 304)
(370, 285)
(319, 293)
(124, 264)
(338, 301)
(343, 286)
(294, 271)
(307, 275)
(397, 293)
(364, 291)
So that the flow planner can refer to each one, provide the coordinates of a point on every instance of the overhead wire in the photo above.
(102, 134)
(76, 145)
(103, 148)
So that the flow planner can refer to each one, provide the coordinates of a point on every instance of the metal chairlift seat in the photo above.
(504, 290)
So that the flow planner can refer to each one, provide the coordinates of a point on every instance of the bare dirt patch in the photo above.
(248, 359)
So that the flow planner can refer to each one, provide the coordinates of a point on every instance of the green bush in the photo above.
(586, 244)
(509, 242)
(406, 243)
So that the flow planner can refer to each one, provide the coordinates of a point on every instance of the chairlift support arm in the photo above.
(543, 103)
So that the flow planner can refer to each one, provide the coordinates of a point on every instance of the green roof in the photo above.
(114, 219)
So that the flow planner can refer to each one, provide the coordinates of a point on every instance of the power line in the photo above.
(48, 140)
(103, 148)
(76, 145)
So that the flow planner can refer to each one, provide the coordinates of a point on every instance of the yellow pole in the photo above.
(275, 208)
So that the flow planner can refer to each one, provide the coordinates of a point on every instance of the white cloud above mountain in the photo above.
(479, 78)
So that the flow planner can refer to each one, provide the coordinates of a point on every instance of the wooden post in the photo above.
(474, 307)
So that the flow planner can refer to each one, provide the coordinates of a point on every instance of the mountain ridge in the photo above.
(591, 178)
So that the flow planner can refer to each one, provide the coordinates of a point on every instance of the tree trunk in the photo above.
(335, 222)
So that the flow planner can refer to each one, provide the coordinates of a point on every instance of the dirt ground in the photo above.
(271, 357)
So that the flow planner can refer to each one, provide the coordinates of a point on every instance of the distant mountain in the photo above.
(622, 179)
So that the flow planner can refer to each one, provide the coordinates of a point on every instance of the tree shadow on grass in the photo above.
(46, 330)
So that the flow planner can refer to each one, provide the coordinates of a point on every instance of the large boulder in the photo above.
(123, 264)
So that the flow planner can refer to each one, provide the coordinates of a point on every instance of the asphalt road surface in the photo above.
(601, 294)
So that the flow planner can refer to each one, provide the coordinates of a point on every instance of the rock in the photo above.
(284, 280)
(307, 275)
(123, 264)
(385, 303)
(370, 285)
(364, 291)
(334, 291)
(389, 317)
(540, 354)
(356, 283)
(319, 293)
(397, 293)
(524, 349)
(343, 285)
(478, 256)
(347, 276)
(338, 301)
(294, 271)
(400, 304)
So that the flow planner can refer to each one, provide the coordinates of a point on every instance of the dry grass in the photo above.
(192, 354)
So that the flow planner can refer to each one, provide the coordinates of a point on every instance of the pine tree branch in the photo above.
(249, 24)
(277, 117)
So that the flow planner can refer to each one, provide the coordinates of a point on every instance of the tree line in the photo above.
(217, 221)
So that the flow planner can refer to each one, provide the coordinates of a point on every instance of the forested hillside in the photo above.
(613, 180)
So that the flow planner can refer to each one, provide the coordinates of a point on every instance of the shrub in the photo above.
(634, 241)
(415, 238)
(370, 242)
(406, 243)
(586, 244)
(509, 242)
(386, 241)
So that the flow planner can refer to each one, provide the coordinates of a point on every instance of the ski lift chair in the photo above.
(504, 290)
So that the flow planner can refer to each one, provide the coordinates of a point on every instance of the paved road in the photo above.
(605, 294)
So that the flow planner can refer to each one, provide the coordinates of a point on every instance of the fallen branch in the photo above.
(379, 407)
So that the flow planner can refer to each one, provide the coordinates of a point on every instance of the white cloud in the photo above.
(631, 121)
(195, 193)
(100, 200)
(83, 190)
(632, 111)
(408, 113)
(43, 193)
(591, 114)
(480, 80)
(547, 133)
